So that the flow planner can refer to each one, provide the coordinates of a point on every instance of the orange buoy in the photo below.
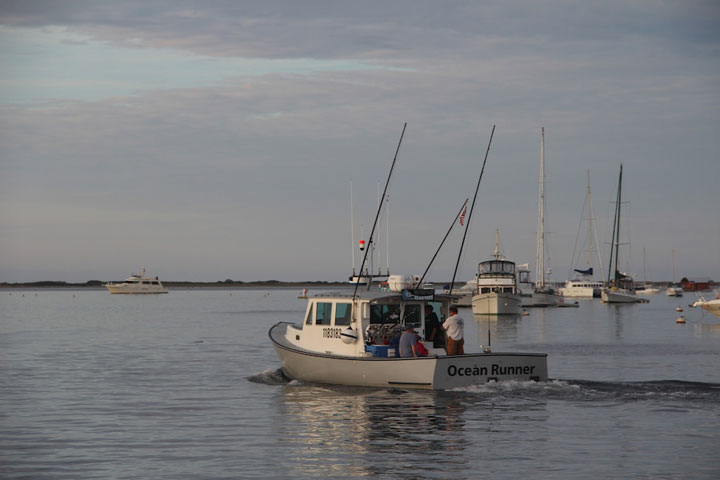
(678, 309)
(680, 319)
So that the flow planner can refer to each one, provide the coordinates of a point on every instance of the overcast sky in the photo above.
(212, 140)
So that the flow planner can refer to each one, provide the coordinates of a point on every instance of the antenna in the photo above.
(472, 207)
(464, 205)
(377, 215)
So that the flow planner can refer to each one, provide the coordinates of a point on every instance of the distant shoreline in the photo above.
(220, 284)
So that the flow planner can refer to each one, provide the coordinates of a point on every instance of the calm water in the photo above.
(186, 385)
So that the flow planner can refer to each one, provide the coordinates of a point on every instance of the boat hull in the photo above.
(136, 289)
(618, 296)
(432, 372)
(496, 304)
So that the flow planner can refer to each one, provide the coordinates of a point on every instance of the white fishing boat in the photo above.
(347, 339)
(497, 291)
(621, 287)
(583, 285)
(138, 283)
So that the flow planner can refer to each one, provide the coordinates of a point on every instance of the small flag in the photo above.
(462, 216)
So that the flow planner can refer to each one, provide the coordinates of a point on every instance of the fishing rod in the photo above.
(464, 205)
(472, 207)
(372, 232)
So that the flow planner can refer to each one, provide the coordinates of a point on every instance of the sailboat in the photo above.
(584, 285)
(646, 289)
(620, 287)
(674, 290)
(543, 294)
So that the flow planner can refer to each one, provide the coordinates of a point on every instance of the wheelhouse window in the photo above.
(309, 318)
(323, 313)
(411, 315)
(343, 312)
(384, 313)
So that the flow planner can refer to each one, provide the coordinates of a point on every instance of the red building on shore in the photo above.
(696, 284)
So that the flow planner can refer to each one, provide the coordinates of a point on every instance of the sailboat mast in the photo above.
(352, 229)
(616, 232)
(590, 227)
(540, 254)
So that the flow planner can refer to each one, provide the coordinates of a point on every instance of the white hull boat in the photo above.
(497, 304)
(497, 289)
(137, 284)
(617, 295)
(581, 289)
(674, 292)
(348, 340)
(711, 306)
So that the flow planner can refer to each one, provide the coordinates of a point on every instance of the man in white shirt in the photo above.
(453, 325)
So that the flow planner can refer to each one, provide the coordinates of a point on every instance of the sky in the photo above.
(251, 140)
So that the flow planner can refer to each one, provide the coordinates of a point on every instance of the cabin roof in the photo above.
(371, 296)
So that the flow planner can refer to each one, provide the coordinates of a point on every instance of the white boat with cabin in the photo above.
(137, 283)
(497, 290)
(346, 339)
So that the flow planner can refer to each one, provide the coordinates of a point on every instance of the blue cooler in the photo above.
(380, 350)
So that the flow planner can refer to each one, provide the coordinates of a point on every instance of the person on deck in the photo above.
(408, 342)
(454, 326)
(433, 329)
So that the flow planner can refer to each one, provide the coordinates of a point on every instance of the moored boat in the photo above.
(348, 339)
(620, 287)
(137, 283)
(497, 291)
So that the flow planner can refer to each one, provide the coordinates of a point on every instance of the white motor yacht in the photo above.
(138, 283)
(497, 292)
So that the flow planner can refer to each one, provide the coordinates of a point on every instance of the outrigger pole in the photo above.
(472, 207)
(377, 215)
(441, 244)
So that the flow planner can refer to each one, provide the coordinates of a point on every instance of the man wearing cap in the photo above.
(454, 325)
(408, 342)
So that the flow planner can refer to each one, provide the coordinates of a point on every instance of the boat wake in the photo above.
(587, 390)
(270, 377)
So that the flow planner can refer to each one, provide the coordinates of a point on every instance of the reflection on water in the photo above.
(346, 432)
(495, 328)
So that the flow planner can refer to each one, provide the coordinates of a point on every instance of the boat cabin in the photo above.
(496, 276)
(369, 325)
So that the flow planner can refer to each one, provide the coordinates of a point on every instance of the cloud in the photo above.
(235, 168)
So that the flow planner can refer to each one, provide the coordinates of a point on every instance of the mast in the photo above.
(540, 254)
(597, 239)
(616, 233)
(352, 230)
(590, 227)
(387, 235)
